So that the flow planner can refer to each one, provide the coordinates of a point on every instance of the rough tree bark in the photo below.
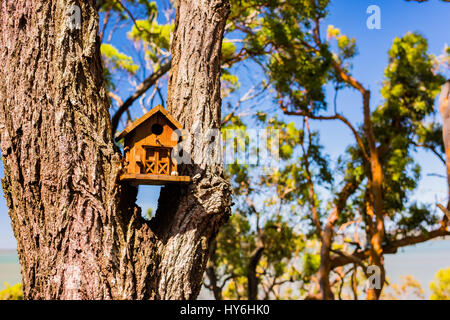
(79, 233)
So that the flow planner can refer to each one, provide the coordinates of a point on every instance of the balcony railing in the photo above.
(156, 161)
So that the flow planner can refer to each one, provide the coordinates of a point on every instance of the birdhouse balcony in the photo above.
(156, 160)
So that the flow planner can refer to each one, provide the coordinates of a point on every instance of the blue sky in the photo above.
(431, 19)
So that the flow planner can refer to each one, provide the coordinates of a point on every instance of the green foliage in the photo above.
(12, 292)
(118, 60)
(440, 287)
(416, 218)
(152, 33)
(311, 263)
(400, 124)
(237, 242)
(149, 7)
(285, 35)
(346, 46)
(149, 213)
(230, 83)
(430, 136)
(282, 244)
(234, 245)
(145, 33)
(115, 61)
(410, 86)
(228, 50)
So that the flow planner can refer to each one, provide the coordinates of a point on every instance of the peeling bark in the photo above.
(444, 108)
(79, 233)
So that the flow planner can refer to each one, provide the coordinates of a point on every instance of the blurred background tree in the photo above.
(440, 287)
(12, 292)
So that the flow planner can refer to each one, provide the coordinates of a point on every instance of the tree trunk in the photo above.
(444, 107)
(212, 275)
(79, 233)
(327, 240)
(252, 276)
(376, 180)
(324, 269)
(376, 241)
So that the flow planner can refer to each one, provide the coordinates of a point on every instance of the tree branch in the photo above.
(134, 20)
(444, 210)
(431, 149)
(389, 248)
(333, 117)
(141, 89)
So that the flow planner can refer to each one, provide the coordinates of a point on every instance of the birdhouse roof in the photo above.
(146, 116)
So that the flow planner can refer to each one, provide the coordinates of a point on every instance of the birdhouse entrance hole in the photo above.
(157, 129)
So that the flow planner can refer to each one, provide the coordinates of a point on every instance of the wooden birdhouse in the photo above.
(148, 144)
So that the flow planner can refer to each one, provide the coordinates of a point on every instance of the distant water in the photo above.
(9, 268)
(422, 261)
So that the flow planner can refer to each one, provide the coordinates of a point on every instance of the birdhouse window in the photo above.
(157, 129)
